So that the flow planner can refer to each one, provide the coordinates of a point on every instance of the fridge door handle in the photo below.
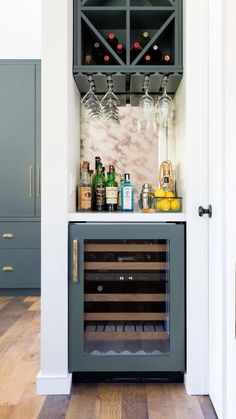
(38, 177)
(75, 246)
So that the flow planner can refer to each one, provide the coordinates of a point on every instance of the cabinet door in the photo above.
(38, 140)
(17, 138)
(126, 297)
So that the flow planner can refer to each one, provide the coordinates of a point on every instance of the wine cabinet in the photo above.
(126, 297)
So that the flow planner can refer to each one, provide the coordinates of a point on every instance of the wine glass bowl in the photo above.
(164, 108)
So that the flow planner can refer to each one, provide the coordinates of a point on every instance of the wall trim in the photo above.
(53, 384)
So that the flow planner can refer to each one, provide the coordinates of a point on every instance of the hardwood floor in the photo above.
(19, 365)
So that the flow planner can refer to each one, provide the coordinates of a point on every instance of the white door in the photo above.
(216, 222)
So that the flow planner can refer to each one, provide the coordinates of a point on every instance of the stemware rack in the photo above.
(94, 19)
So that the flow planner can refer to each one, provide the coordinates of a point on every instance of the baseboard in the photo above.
(19, 292)
(53, 384)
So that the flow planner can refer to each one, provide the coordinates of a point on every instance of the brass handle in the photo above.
(75, 277)
(7, 269)
(38, 185)
(30, 181)
(7, 235)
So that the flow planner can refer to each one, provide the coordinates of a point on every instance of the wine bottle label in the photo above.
(111, 195)
(100, 193)
(127, 198)
(85, 197)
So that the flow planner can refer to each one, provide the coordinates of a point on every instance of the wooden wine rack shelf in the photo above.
(125, 297)
(141, 266)
(124, 316)
(126, 336)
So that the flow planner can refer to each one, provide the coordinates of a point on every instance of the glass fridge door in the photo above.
(126, 297)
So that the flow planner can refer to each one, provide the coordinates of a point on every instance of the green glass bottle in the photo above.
(111, 190)
(99, 191)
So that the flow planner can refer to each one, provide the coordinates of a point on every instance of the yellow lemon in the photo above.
(163, 205)
(175, 204)
(169, 194)
(159, 193)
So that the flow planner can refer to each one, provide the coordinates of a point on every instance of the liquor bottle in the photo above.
(122, 178)
(85, 189)
(135, 51)
(97, 160)
(99, 191)
(166, 59)
(120, 50)
(111, 190)
(127, 194)
(156, 55)
(166, 177)
(112, 40)
(97, 53)
(144, 39)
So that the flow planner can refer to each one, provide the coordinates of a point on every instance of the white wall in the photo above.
(20, 29)
(59, 129)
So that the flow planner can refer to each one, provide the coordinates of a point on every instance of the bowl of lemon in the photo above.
(166, 201)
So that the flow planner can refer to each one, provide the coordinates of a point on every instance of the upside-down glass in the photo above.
(146, 106)
(109, 105)
(164, 108)
(92, 104)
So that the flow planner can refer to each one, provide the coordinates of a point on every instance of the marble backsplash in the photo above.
(125, 146)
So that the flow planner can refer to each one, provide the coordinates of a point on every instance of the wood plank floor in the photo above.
(19, 365)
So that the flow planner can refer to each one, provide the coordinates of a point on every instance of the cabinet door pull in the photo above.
(7, 235)
(7, 268)
(38, 176)
(75, 246)
(30, 181)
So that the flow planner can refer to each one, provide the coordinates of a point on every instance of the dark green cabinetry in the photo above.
(20, 171)
(126, 297)
(93, 20)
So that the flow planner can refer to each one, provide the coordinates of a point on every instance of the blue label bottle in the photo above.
(127, 194)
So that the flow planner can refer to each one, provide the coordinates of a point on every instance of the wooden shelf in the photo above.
(125, 297)
(123, 316)
(141, 266)
(126, 336)
(125, 247)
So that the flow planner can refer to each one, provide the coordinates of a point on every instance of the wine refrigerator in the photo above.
(127, 297)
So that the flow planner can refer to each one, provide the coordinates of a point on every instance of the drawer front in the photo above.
(20, 235)
(20, 268)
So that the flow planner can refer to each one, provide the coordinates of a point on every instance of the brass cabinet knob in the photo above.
(8, 235)
(7, 268)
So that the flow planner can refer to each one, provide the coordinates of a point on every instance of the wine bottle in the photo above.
(156, 55)
(147, 59)
(135, 51)
(144, 39)
(88, 60)
(106, 59)
(120, 50)
(99, 189)
(166, 59)
(111, 190)
(112, 40)
(97, 53)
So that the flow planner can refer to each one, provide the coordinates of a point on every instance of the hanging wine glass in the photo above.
(146, 106)
(91, 103)
(110, 104)
(164, 108)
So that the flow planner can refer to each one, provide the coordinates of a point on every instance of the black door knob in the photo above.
(202, 211)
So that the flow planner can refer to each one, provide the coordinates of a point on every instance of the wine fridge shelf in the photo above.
(125, 332)
(94, 19)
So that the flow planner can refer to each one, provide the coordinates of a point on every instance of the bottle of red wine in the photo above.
(112, 40)
(97, 53)
(88, 60)
(120, 50)
(135, 51)
(106, 59)
(147, 59)
(166, 59)
(156, 55)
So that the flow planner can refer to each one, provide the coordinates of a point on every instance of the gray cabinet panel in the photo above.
(17, 137)
(20, 268)
(21, 235)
